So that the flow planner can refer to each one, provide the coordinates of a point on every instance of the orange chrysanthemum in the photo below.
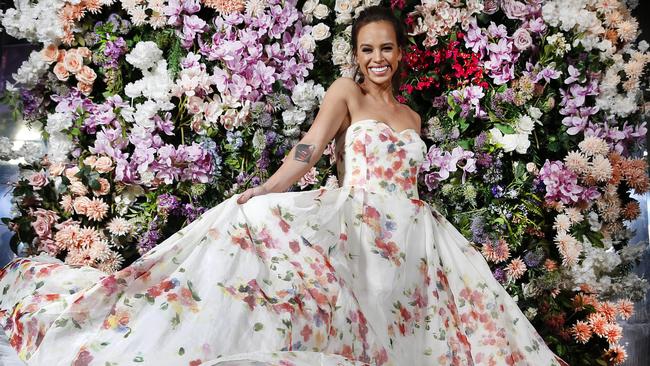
(631, 210)
(606, 309)
(625, 308)
(581, 332)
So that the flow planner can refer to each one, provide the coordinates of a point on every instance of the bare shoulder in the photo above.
(343, 86)
(414, 117)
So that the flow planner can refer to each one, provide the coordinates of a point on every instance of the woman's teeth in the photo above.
(379, 70)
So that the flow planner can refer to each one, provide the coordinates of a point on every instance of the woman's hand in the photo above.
(252, 192)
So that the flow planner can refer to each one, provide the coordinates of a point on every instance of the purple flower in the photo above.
(561, 183)
(500, 275)
(497, 191)
(533, 259)
(167, 204)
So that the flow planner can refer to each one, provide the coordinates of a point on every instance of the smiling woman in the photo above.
(384, 41)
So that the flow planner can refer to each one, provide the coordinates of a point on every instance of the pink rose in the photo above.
(49, 246)
(490, 6)
(50, 216)
(61, 56)
(73, 62)
(514, 9)
(86, 75)
(38, 180)
(42, 227)
(50, 53)
(104, 164)
(522, 39)
(61, 72)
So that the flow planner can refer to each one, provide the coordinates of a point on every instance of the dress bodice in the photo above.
(373, 155)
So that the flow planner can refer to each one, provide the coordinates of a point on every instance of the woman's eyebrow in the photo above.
(383, 44)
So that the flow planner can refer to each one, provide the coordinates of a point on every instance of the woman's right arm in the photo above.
(306, 153)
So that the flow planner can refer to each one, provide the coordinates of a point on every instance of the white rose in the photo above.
(343, 6)
(523, 143)
(535, 113)
(307, 42)
(340, 51)
(510, 142)
(320, 31)
(309, 6)
(496, 137)
(321, 11)
(525, 124)
(343, 18)
(371, 2)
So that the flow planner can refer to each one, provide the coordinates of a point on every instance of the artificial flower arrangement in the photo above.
(154, 110)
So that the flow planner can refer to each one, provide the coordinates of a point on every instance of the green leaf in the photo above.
(258, 327)
(195, 296)
(181, 351)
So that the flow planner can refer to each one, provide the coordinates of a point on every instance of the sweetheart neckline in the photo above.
(382, 122)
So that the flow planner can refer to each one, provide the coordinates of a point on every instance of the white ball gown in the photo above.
(363, 274)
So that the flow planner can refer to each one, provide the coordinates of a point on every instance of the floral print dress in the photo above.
(363, 274)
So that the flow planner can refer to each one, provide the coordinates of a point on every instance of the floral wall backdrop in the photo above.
(155, 110)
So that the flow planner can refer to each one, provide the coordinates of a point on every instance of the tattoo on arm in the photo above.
(303, 152)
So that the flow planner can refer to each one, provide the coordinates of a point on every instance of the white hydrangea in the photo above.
(33, 20)
(58, 121)
(307, 96)
(144, 55)
(31, 151)
(31, 70)
(293, 117)
(155, 84)
(59, 146)
(572, 15)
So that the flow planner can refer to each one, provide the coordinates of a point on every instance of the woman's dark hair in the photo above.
(373, 14)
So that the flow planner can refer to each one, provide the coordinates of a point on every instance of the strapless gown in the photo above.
(362, 274)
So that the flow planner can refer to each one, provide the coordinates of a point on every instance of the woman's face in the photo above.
(377, 52)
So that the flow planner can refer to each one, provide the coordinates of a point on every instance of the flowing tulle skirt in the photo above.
(341, 276)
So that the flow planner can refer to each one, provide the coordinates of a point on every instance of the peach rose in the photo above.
(50, 53)
(90, 160)
(38, 180)
(73, 62)
(86, 75)
(105, 187)
(61, 56)
(70, 173)
(80, 205)
(84, 52)
(77, 187)
(104, 164)
(56, 169)
(86, 89)
(61, 72)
